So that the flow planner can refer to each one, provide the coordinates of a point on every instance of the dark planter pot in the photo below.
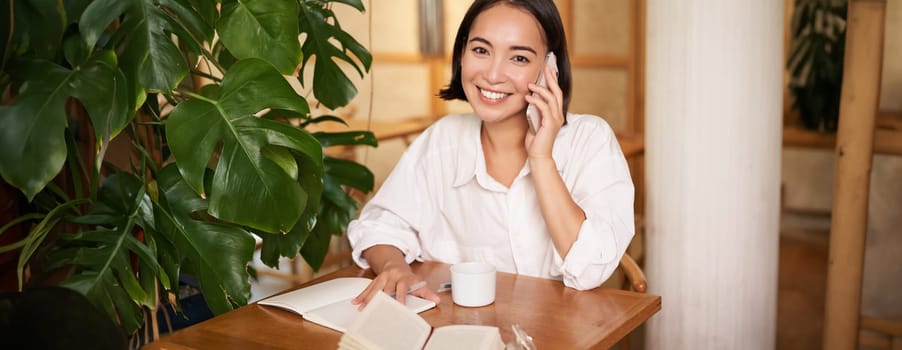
(55, 318)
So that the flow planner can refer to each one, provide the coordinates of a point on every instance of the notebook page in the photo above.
(470, 337)
(337, 316)
(388, 325)
(318, 295)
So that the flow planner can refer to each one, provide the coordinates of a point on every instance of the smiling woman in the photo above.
(546, 35)
(555, 203)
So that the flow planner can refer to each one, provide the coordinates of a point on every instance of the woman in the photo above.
(555, 203)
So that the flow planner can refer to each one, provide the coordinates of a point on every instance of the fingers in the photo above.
(400, 291)
(367, 294)
(545, 102)
(548, 107)
(549, 100)
(554, 86)
(395, 284)
(427, 294)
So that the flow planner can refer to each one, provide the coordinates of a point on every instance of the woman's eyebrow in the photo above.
(515, 47)
(524, 48)
(481, 40)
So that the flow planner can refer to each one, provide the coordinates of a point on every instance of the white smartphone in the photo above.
(532, 114)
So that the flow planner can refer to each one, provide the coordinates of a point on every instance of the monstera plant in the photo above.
(815, 61)
(219, 143)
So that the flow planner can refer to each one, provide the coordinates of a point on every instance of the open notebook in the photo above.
(329, 303)
(387, 325)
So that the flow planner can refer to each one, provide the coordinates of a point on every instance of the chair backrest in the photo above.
(633, 273)
(634, 278)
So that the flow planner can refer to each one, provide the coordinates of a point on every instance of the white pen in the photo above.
(412, 288)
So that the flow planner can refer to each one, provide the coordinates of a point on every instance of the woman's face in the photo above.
(504, 53)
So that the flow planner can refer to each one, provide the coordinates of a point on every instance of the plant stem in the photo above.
(195, 95)
(18, 220)
(9, 39)
(206, 75)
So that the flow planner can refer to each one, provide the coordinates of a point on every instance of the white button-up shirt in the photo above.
(440, 204)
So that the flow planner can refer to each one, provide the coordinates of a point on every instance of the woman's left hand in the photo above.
(549, 103)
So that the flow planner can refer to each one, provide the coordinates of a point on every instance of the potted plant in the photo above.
(213, 164)
(816, 61)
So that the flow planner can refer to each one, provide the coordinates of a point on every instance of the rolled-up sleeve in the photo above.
(393, 215)
(604, 190)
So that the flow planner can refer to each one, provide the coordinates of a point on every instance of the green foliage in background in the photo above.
(816, 61)
(213, 165)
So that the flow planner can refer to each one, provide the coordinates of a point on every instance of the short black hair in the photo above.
(545, 12)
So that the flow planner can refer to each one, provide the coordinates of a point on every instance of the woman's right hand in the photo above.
(393, 275)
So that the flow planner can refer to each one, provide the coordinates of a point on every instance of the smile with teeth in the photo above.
(492, 95)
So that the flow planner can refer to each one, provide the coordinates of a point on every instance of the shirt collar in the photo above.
(470, 156)
(471, 161)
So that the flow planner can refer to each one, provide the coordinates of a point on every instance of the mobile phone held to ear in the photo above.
(532, 114)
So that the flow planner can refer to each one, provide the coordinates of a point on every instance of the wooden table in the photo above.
(556, 317)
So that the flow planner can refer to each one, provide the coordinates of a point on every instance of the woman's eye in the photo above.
(480, 50)
(520, 59)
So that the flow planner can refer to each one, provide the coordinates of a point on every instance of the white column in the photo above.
(713, 140)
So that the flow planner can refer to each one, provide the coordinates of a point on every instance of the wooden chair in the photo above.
(878, 333)
(635, 278)
(629, 275)
(632, 279)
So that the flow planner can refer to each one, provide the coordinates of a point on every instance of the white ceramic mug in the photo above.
(473, 284)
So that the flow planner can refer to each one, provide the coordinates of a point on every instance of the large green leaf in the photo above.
(102, 89)
(192, 17)
(208, 10)
(74, 9)
(265, 29)
(149, 55)
(97, 16)
(328, 211)
(35, 239)
(248, 188)
(32, 129)
(216, 253)
(349, 173)
(284, 245)
(317, 245)
(346, 138)
(337, 207)
(336, 210)
(103, 257)
(356, 4)
(38, 26)
(289, 244)
(330, 84)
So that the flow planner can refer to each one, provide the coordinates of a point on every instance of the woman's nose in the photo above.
(495, 72)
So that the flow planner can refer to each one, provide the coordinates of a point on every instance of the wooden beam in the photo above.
(887, 136)
(595, 60)
(854, 153)
(398, 58)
